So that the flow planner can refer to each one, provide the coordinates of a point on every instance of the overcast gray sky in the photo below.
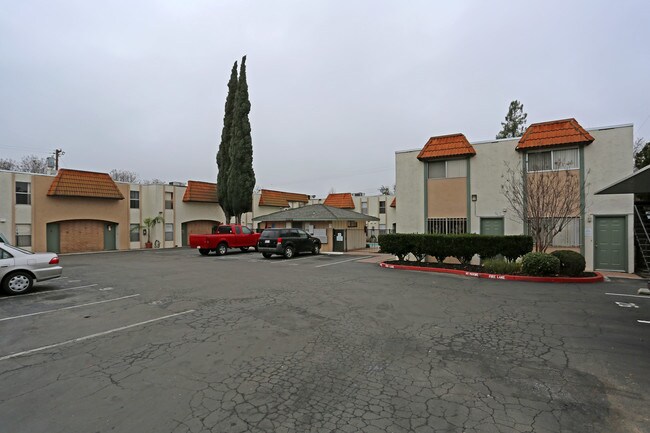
(336, 86)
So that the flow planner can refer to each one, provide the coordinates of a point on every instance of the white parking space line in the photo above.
(285, 261)
(630, 296)
(88, 337)
(67, 308)
(47, 292)
(343, 261)
(644, 321)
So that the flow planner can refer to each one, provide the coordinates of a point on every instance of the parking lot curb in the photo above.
(596, 279)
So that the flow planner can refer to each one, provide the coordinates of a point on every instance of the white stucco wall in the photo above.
(486, 170)
(410, 181)
(607, 160)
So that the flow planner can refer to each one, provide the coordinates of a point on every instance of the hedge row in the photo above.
(462, 247)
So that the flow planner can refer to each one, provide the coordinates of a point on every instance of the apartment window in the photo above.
(23, 193)
(169, 200)
(438, 170)
(447, 226)
(382, 206)
(23, 235)
(169, 232)
(447, 169)
(565, 159)
(352, 224)
(135, 199)
(134, 232)
(364, 207)
(569, 236)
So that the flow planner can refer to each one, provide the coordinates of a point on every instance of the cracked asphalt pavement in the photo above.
(171, 341)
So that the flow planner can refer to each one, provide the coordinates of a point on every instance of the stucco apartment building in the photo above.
(454, 186)
(81, 211)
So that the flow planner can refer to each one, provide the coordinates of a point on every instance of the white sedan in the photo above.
(19, 268)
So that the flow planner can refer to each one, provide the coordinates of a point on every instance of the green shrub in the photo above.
(540, 264)
(572, 263)
(500, 266)
(463, 247)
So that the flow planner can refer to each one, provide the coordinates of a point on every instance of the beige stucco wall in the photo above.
(447, 198)
(53, 209)
(7, 205)
(152, 205)
(410, 180)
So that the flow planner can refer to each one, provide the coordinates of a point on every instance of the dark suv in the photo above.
(287, 242)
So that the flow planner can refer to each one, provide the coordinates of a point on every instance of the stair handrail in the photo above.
(638, 214)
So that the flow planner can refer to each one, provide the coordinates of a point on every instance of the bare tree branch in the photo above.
(546, 201)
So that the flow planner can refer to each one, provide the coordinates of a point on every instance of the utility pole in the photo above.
(57, 153)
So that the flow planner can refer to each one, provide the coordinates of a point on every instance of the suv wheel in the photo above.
(267, 255)
(288, 252)
(315, 249)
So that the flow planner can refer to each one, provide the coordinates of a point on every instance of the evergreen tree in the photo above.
(223, 155)
(241, 177)
(641, 154)
(515, 123)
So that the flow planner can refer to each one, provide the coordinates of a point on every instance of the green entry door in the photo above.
(109, 236)
(339, 240)
(492, 226)
(53, 238)
(610, 246)
(184, 237)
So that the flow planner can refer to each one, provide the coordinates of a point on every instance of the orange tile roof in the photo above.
(77, 183)
(341, 200)
(394, 202)
(281, 198)
(446, 146)
(204, 192)
(554, 133)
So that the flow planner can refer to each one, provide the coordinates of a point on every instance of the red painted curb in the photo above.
(598, 278)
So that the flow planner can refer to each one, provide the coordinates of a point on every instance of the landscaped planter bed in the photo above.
(477, 272)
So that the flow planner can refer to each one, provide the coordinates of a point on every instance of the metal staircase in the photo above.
(642, 236)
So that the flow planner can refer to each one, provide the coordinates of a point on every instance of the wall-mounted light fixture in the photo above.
(474, 197)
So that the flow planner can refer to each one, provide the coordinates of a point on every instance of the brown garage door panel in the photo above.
(200, 227)
(81, 236)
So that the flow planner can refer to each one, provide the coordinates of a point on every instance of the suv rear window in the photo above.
(269, 234)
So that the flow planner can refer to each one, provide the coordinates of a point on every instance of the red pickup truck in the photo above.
(226, 236)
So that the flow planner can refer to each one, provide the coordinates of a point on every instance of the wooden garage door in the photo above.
(81, 236)
(196, 228)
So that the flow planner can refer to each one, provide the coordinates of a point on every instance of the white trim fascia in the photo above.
(408, 151)
(600, 128)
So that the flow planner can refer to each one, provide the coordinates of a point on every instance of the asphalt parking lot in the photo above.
(171, 341)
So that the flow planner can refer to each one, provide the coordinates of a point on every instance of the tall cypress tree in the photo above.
(241, 177)
(223, 155)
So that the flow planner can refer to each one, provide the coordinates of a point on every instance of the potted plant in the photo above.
(149, 223)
